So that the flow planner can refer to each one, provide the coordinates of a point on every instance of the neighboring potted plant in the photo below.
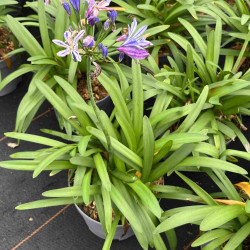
(228, 87)
(223, 218)
(162, 17)
(9, 62)
(81, 45)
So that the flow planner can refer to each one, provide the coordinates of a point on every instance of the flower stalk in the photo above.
(96, 110)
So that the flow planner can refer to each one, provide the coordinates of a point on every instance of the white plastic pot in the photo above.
(96, 228)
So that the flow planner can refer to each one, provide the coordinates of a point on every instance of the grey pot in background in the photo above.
(96, 228)
(5, 71)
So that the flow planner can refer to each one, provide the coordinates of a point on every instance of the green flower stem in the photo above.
(96, 110)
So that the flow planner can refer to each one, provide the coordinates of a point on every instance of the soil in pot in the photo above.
(100, 94)
(8, 64)
(7, 44)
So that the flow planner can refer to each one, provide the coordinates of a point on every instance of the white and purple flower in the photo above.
(47, 2)
(88, 41)
(95, 7)
(134, 43)
(70, 44)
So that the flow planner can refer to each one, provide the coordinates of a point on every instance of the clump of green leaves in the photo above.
(140, 156)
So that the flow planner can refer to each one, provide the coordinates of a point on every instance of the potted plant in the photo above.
(228, 87)
(223, 217)
(72, 64)
(121, 161)
(9, 47)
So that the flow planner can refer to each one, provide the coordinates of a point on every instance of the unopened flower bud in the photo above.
(106, 25)
(93, 20)
(103, 49)
(121, 57)
(67, 8)
(76, 5)
(112, 15)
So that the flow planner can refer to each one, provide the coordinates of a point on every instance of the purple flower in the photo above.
(134, 52)
(67, 8)
(92, 20)
(134, 43)
(103, 49)
(112, 15)
(95, 7)
(121, 57)
(47, 2)
(122, 38)
(88, 41)
(76, 5)
(70, 45)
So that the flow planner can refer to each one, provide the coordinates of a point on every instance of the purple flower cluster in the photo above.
(93, 10)
(112, 16)
(134, 43)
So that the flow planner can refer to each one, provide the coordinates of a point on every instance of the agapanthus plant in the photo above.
(81, 42)
(84, 33)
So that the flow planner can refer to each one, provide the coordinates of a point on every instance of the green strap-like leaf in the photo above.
(26, 165)
(128, 212)
(52, 157)
(86, 186)
(48, 203)
(107, 208)
(148, 149)
(238, 237)
(194, 113)
(119, 149)
(30, 44)
(171, 162)
(209, 236)
(147, 197)
(35, 139)
(102, 171)
(198, 190)
(110, 236)
(211, 163)
(71, 191)
(182, 218)
(221, 216)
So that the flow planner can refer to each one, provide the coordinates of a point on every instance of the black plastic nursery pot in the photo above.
(106, 105)
(5, 70)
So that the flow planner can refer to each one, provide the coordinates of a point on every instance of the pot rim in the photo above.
(95, 221)
(98, 222)
(11, 56)
(103, 99)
